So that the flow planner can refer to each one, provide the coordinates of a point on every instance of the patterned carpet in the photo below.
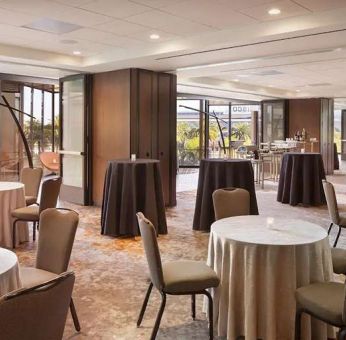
(111, 274)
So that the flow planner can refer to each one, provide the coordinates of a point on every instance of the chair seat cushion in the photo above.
(29, 200)
(31, 276)
(325, 300)
(339, 260)
(30, 213)
(188, 276)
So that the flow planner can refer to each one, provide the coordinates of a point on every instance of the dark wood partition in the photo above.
(316, 115)
(137, 110)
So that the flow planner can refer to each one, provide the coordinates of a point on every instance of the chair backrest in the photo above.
(49, 193)
(331, 202)
(57, 232)
(31, 178)
(230, 202)
(152, 251)
(38, 312)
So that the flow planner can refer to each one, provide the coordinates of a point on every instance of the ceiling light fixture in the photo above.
(274, 11)
(236, 80)
(297, 90)
(77, 52)
(154, 36)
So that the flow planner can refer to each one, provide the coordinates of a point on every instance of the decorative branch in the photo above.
(25, 141)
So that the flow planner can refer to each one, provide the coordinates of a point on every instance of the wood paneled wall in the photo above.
(316, 115)
(110, 124)
(137, 108)
(305, 113)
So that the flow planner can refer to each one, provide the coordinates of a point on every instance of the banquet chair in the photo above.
(324, 301)
(174, 278)
(38, 312)
(31, 178)
(339, 260)
(230, 202)
(57, 233)
(337, 218)
(49, 198)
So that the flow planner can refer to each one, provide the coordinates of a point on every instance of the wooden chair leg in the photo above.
(144, 306)
(337, 237)
(211, 318)
(14, 234)
(74, 316)
(193, 306)
(159, 316)
(298, 324)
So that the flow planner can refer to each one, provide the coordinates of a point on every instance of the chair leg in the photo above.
(298, 324)
(330, 228)
(211, 319)
(193, 306)
(342, 334)
(74, 316)
(34, 231)
(337, 237)
(14, 234)
(159, 316)
(144, 306)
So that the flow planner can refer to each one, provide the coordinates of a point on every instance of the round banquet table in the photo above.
(261, 261)
(9, 272)
(11, 198)
(301, 179)
(216, 174)
(131, 187)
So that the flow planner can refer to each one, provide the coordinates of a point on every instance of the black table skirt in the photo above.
(301, 179)
(131, 187)
(216, 174)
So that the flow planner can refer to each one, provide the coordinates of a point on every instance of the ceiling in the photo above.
(226, 48)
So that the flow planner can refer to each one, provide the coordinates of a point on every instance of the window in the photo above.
(189, 143)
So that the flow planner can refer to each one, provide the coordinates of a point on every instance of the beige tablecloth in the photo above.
(9, 272)
(261, 261)
(11, 197)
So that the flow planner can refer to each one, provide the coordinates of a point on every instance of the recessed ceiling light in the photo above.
(297, 90)
(154, 36)
(235, 79)
(77, 52)
(270, 85)
(274, 11)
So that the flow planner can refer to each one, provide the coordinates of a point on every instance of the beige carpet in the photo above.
(111, 277)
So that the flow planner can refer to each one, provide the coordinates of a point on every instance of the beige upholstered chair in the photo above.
(49, 198)
(339, 260)
(230, 202)
(38, 312)
(31, 178)
(57, 232)
(324, 301)
(335, 216)
(174, 278)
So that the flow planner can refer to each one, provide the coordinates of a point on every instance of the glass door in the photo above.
(75, 131)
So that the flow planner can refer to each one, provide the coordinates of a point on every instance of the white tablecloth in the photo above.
(261, 261)
(9, 272)
(11, 198)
